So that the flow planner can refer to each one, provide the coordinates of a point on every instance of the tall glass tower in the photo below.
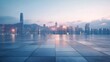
(21, 24)
(21, 18)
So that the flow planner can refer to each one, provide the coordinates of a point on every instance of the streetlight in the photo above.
(13, 30)
(64, 27)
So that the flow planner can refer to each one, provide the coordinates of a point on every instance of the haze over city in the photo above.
(54, 30)
(50, 11)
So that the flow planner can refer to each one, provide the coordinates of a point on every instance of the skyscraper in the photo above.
(56, 24)
(21, 18)
(87, 29)
(21, 24)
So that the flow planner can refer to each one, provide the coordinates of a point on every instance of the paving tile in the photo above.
(41, 59)
(27, 48)
(18, 54)
(107, 52)
(98, 59)
(101, 49)
(91, 53)
(2, 53)
(70, 59)
(65, 49)
(63, 53)
(47, 46)
(12, 59)
(59, 48)
(87, 51)
(44, 52)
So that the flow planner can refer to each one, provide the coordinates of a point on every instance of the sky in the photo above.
(61, 11)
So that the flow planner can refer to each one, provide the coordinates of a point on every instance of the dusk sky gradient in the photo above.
(38, 11)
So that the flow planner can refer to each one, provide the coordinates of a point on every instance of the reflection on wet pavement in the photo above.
(55, 48)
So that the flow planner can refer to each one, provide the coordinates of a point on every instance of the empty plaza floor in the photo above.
(55, 48)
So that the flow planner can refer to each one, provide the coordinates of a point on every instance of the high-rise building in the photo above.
(44, 25)
(87, 29)
(77, 30)
(21, 24)
(21, 18)
(56, 24)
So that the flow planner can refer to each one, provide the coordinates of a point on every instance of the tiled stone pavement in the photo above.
(56, 48)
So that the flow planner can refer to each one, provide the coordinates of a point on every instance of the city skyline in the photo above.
(26, 29)
(46, 11)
